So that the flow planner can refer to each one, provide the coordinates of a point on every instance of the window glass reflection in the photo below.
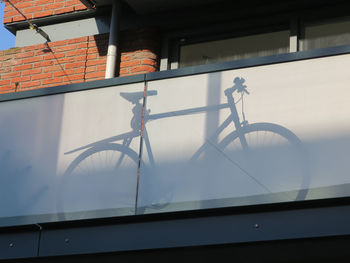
(326, 35)
(234, 48)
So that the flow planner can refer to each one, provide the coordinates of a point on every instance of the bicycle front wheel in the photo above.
(102, 177)
(273, 162)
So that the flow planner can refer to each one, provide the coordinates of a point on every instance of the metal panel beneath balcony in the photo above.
(215, 229)
(19, 244)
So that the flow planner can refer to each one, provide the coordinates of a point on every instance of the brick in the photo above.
(29, 84)
(43, 52)
(21, 79)
(81, 58)
(44, 64)
(101, 67)
(78, 40)
(74, 77)
(127, 64)
(91, 69)
(65, 48)
(17, 62)
(54, 56)
(145, 55)
(11, 75)
(125, 58)
(43, 14)
(124, 71)
(31, 72)
(95, 75)
(7, 58)
(53, 6)
(7, 7)
(52, 69)
(95, 62)
(79, 7)
(92, 43)
(34, 9)
(76, 52)
(64, 10)
(75, 65)
(58, 43)
(11, 13)
(63, 73)
(142, 69)
(91, 56)
(52, 81)
(17, 18)
(43, 2)
(7, 64)
(22, 67)
(149, 62)
(33, 59)
(7, 20)
(71, 3)
(24, 4)
(42, 76)
(35, 47)
(24, 55)
(84, 45)
(66, 60)
(6, 89)
(92, 50)
(5, 82)
(5, 70)
(79, 70)
(11, 51)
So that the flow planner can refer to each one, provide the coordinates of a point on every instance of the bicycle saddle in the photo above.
(134, 97)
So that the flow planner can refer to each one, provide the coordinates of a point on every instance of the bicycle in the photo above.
(108, 155)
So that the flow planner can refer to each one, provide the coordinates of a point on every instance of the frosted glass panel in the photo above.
(266, 134)
(234, 48)
(61, 154)
(326, 35)
(286, 139)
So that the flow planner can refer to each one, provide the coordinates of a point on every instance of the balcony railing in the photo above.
(267, 130)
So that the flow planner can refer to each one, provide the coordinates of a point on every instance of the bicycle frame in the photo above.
(233, 117)
(128, 137)
(239, 134)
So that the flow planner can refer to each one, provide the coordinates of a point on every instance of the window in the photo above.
(234, 48)
(333, 33)
(290, 34)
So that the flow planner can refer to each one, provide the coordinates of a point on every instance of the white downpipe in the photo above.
(112, 53)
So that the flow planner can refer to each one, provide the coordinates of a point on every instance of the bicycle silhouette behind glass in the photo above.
(263, 152)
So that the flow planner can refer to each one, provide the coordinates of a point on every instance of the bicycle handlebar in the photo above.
(238, 85)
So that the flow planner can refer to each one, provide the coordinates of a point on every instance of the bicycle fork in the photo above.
(236, 120)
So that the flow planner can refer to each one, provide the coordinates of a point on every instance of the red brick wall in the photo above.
(63, 62)
(76, 60)
(139, 51)
(40, 8)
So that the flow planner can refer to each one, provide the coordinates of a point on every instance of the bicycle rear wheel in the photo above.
(273, 163)
(102, 177)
